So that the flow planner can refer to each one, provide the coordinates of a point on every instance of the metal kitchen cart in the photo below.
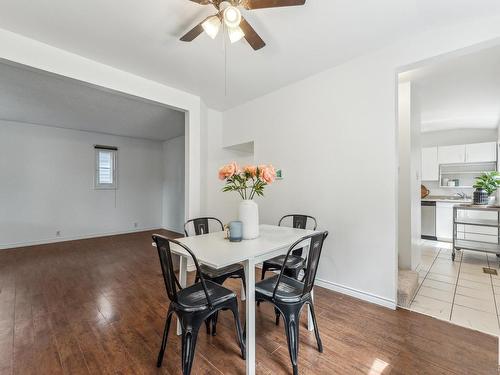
(468, 242)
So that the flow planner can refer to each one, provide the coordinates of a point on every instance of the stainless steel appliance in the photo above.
(429, 220)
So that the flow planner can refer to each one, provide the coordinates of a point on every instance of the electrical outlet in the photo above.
(136, 225)
(58, 233)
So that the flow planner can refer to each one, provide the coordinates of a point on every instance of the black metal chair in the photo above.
(289, 295)
(200, 226)
(193, 304)
(295, 263)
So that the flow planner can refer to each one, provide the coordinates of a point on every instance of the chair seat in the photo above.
(193, 297)
(289, 290)
(293, 262)
(213, 273)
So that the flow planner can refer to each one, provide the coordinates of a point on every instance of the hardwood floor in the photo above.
(97, 306)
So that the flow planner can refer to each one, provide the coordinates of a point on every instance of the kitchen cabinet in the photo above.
(430, 165)
(444, 221)
(451, 154)
(471, 153)
(481, 152)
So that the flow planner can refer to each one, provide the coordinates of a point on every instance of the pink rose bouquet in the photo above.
(247, 181)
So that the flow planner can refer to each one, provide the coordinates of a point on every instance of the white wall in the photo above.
(216, 203)
(334, 136)
(415, 182)
(173, 184)
(47, 185)
(410, 155)
(404, 196)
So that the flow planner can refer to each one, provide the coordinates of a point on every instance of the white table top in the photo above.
(215, 251)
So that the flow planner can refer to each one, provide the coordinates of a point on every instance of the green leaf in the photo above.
(489, 181)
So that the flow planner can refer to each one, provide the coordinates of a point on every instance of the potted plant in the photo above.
(248, 182)
(485, 186)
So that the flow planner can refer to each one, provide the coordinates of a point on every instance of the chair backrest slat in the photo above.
(313, 257)
(172, 284)
(201, 225)
(300, 221)
(167, 266)
(315, 247)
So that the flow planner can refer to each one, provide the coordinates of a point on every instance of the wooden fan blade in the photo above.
(194, 32)
(251, 35)
(259, 4)
(202, 2)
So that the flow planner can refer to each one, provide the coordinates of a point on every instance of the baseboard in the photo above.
(180, 231)
(368, 297)
(73, 238)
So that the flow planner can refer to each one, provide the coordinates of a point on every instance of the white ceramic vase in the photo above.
(248, 214)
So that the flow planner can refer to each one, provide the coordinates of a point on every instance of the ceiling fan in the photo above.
(229, 14)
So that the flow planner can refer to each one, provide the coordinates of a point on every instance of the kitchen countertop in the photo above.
(446, 199)
(481, 207)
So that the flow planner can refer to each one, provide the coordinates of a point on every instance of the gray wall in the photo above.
(173, 184)
(47, 185)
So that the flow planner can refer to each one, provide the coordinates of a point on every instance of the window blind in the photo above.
(105, 174)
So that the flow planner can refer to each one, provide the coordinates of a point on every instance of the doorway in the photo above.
(53, 127)
(448, 136)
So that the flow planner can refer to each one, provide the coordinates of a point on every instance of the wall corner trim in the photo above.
(176, 230)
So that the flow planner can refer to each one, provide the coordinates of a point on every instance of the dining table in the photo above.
(214, 250)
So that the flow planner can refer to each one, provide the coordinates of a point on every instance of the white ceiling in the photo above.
(142, 37)
(459, 93)
(36, 97)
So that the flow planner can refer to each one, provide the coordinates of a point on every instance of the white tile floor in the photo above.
(458, 291)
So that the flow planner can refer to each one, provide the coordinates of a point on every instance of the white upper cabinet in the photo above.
(451, 154)
(430, 165)
(481, 152)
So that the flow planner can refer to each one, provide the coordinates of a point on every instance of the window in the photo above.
(105, 167)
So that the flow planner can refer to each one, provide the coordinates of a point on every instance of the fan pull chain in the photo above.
(225, 62)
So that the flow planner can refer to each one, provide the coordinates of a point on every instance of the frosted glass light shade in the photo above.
(235, 34)
(232, 16)
(212, 26)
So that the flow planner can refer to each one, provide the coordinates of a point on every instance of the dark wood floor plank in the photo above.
(97, 306)
(45, 350)
(23, 361)
(6, 353)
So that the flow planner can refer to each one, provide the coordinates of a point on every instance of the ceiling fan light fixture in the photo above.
(212, 26)
(232, 16)
(229, 16)
(235, 34)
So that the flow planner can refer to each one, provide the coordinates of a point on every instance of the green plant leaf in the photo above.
(489, 181)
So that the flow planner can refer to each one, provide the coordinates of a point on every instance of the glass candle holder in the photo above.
(235, 231)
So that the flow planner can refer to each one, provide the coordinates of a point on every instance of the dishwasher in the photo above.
(429, 220)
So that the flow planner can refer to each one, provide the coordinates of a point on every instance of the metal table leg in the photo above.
(250, 316)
